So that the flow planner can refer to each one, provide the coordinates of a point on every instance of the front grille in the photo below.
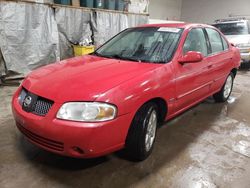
(45, 142)
(41, 106)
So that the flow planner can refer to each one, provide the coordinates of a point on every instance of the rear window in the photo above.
(234, 28)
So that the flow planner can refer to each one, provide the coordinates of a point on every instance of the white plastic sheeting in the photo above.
(2, 65)
(28, 36)
(137, 19)
(33, 35)
(107, 24)
(74, 25)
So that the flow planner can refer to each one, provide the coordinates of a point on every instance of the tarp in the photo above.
(106, 25)
(33, 35)
(74, 26)
(2, 65)
(28, 35)
(137, 19)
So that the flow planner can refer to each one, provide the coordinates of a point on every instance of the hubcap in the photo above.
(151, 130)
(228, 87)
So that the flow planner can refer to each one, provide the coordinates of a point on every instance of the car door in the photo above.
(219, 59)
(192, 84)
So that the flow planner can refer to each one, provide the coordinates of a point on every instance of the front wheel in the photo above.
(141, 135)
(226, 90)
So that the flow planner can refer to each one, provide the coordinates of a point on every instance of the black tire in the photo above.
(220, 96)
(135, 143)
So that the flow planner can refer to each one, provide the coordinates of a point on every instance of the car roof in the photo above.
(182, 25)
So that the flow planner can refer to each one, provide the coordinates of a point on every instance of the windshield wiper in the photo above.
(159, 62)
(106, 56)
(115, 56)
(122, 58)
(96, 54)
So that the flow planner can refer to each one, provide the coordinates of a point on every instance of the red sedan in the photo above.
(114, 98)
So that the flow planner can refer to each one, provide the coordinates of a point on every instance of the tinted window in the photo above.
(215, 40)
(225, 44)
(195, 41)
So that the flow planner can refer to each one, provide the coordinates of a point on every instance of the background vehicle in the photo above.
(237, 31)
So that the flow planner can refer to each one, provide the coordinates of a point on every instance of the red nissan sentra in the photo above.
(114, 98)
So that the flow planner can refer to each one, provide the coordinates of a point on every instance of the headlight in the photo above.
(87, 111)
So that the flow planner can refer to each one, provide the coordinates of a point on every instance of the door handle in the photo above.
(210, 66)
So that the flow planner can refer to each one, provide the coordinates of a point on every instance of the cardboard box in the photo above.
(75, 3)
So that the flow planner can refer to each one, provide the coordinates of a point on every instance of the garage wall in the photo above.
(165, 9)
(206, 11)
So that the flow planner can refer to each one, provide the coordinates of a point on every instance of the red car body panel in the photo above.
(86, 72)
(128, 85)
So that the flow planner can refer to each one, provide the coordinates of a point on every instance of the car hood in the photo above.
(82, 78)
(238, 39)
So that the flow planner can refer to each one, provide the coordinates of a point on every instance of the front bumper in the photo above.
(245, 55)
(75, 139)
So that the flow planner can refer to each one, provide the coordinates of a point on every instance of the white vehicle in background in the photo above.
(237, 31)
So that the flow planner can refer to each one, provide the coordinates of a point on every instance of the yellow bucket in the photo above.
(83, 50)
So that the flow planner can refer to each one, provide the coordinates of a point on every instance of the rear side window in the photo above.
(196, 41)
(225, 44)
(215, 40)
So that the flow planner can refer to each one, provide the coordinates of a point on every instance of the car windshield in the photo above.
(149, 44)
(235, 28)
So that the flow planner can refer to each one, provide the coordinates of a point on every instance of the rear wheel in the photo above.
(142, 132)
(226, 90)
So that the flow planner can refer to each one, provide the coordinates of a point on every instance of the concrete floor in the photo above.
(208, 146)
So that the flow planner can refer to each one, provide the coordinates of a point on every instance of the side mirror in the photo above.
(191, 57)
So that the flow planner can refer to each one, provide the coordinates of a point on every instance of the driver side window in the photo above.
(196, 41)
